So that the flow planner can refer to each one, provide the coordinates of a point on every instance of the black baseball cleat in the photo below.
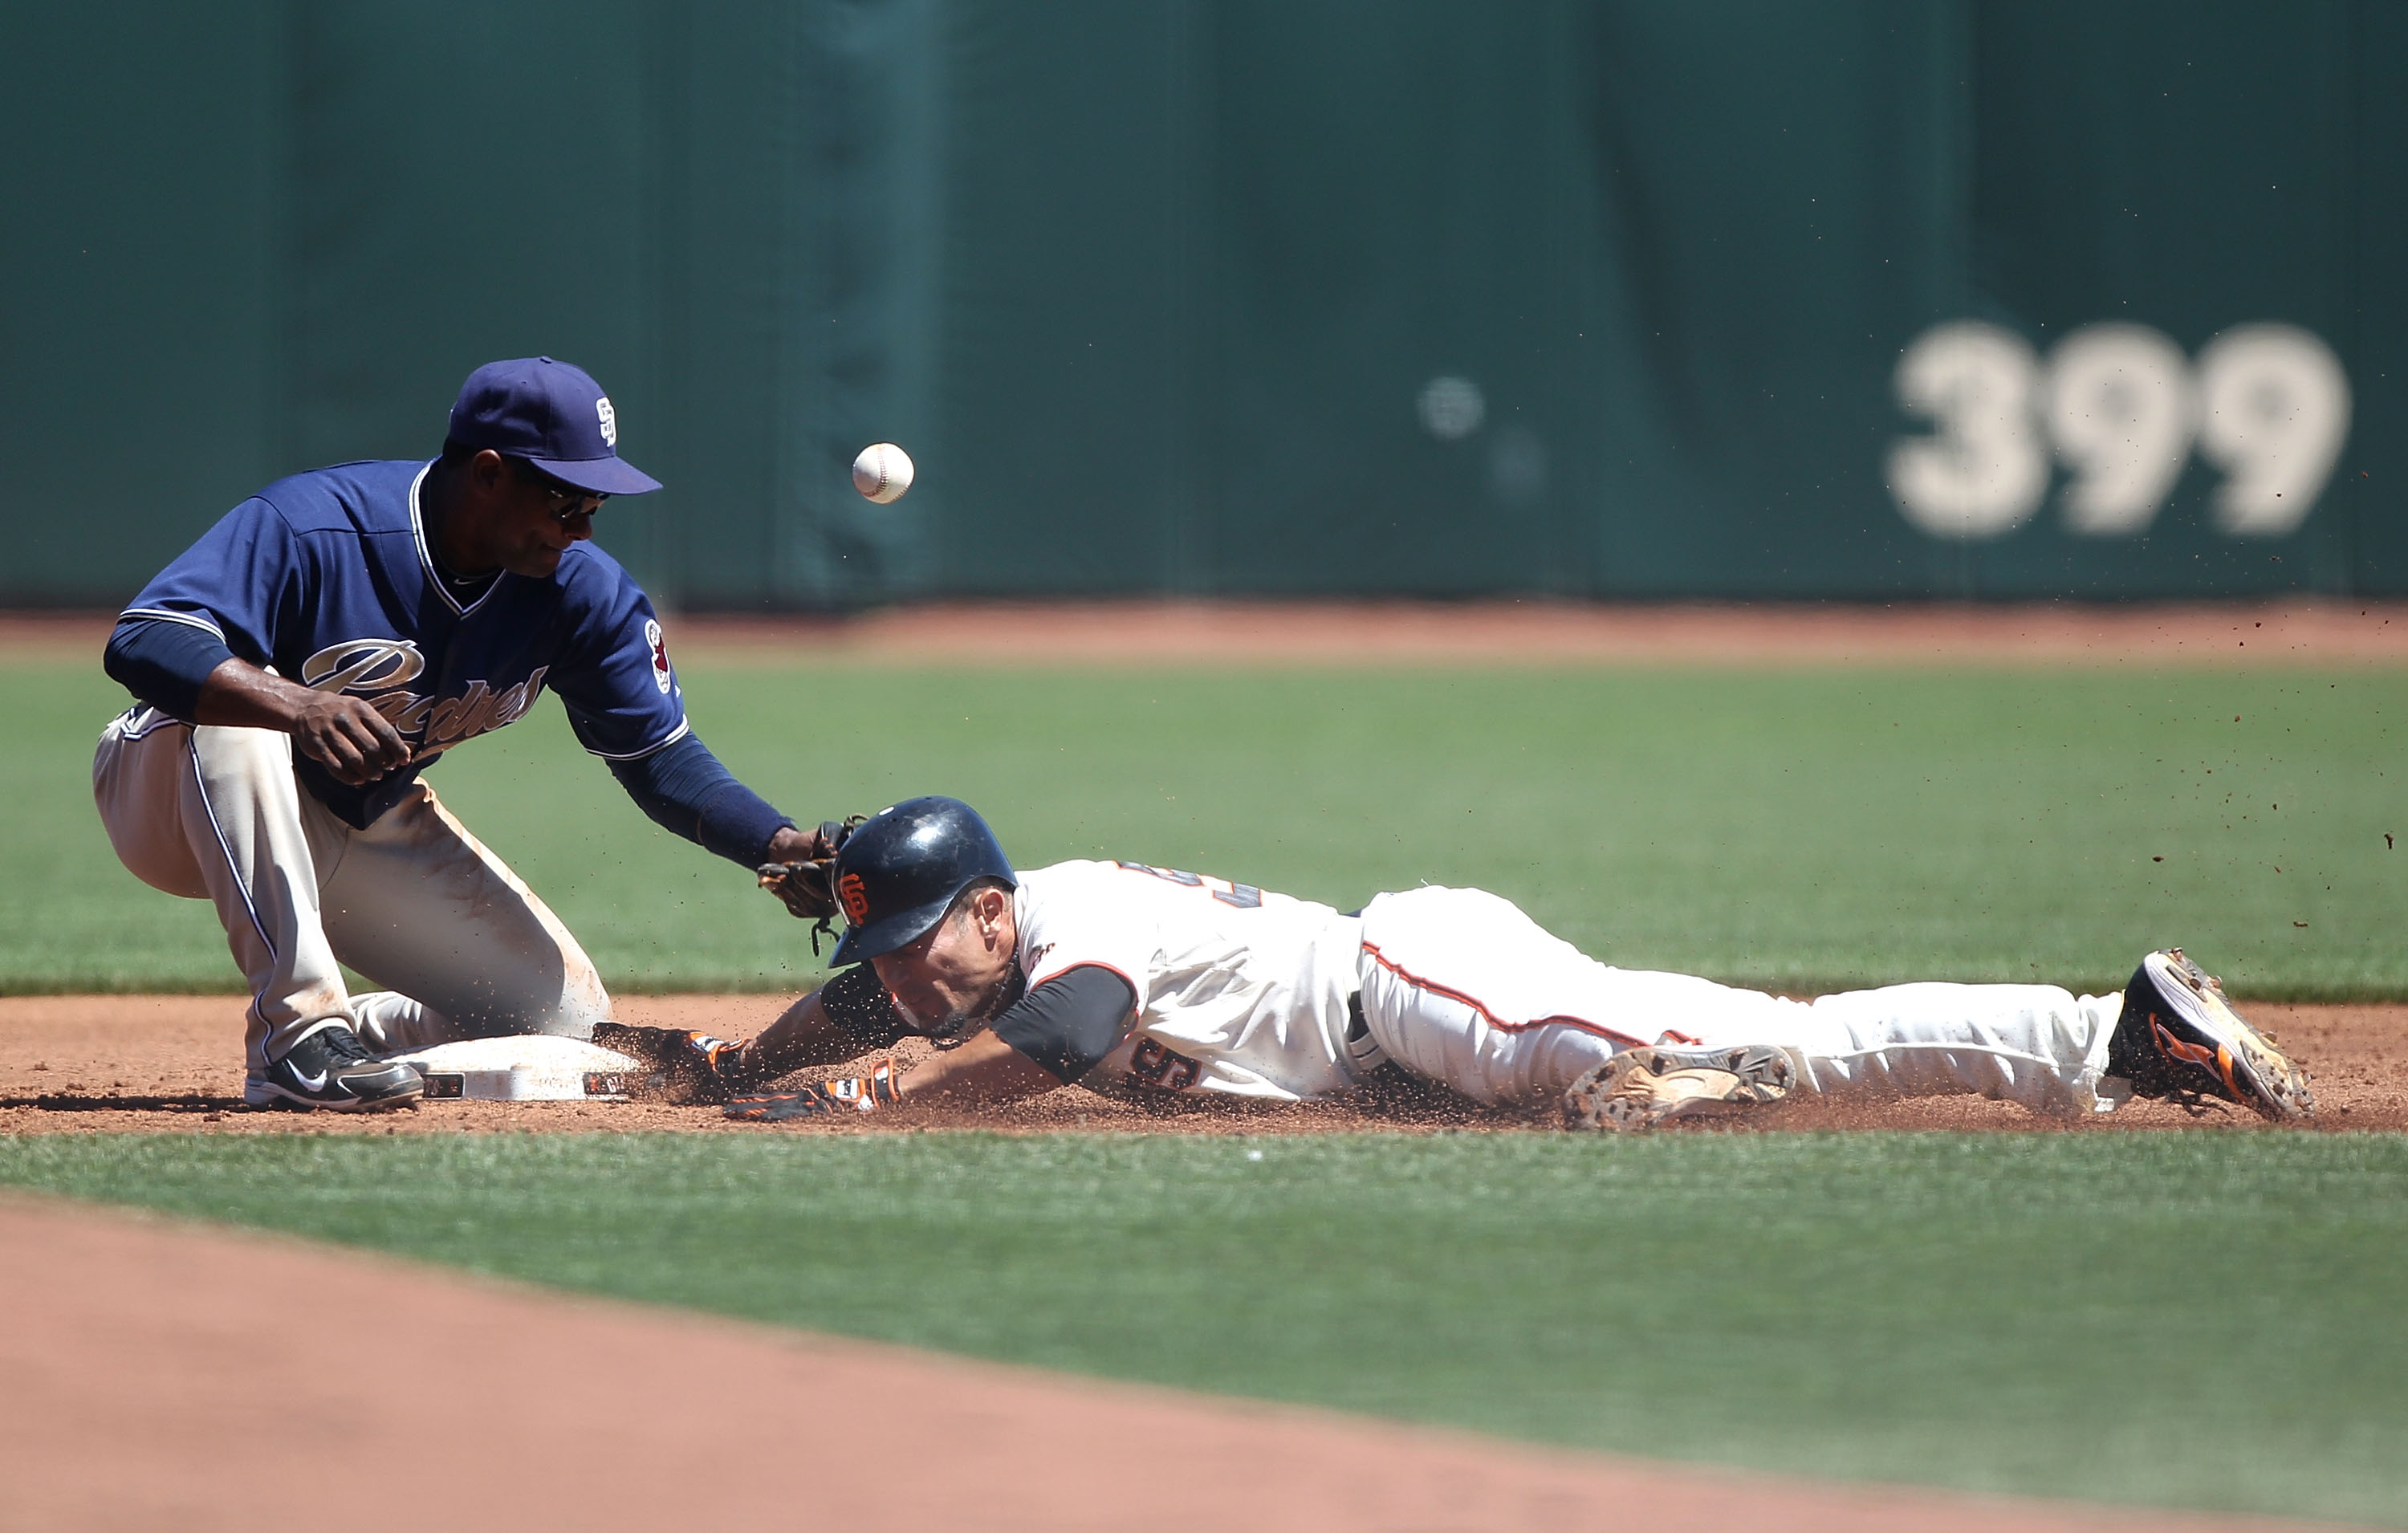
(331, 1069)
(2177, 1037)
(1638, 1088)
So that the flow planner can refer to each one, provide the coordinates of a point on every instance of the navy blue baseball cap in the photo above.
(554, 416)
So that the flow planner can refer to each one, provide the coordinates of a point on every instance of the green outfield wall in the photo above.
(1861, 299)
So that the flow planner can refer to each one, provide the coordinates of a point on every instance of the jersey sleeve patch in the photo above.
(663, 678)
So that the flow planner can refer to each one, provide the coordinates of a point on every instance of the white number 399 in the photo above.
(2269, 405)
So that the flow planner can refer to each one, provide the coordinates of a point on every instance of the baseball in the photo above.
(882, 472)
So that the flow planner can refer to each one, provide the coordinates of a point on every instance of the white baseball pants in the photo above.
(414, 901)
(1462, 988)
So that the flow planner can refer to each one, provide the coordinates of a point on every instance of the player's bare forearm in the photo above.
(790, 845)
(982, 1072)
(242, 696)
(347, 737)
(801, 1039)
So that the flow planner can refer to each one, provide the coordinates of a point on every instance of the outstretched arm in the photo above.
(688, 791)
(833, 1024)
(983, 1072)
(1050, 1037)
(843, 1019)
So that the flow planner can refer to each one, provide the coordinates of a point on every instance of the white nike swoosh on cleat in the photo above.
(311, 1082)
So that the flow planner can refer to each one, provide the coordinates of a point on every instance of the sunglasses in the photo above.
(568, 503)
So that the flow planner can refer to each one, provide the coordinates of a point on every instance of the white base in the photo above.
(529, 1068)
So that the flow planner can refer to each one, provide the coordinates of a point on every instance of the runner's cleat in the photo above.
(1640, 1088)
(330, 1069)
(2177, 1037)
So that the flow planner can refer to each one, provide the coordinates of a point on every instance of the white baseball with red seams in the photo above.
(882, 472)
(1246, 992)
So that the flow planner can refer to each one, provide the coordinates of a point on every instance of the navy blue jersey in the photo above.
(326, 577)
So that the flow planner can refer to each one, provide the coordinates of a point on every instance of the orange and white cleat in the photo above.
(2178, 1037)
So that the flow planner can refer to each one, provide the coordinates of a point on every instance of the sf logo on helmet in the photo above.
(856, 897)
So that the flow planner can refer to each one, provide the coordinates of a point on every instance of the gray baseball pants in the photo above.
(415, 902)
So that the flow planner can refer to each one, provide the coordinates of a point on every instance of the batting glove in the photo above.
(853, 1094)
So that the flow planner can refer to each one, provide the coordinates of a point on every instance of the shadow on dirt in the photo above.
(70, 1102)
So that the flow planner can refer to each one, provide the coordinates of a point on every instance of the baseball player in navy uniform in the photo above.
(1132, 978)
(299, 667)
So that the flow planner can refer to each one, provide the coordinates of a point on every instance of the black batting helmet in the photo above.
(898, 873)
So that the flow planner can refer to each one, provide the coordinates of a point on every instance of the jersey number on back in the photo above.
(1245, 897)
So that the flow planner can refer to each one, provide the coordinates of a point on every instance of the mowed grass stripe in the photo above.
(1803, 829)
(2202, 1319)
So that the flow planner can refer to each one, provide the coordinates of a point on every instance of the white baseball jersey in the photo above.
(1246, 992)
(1238, 990)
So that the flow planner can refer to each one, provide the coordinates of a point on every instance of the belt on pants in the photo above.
(1364, 1055)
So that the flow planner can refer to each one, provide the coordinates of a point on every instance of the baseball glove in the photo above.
(857, 1093)
(807, 888)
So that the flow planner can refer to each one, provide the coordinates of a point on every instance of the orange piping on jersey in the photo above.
(1582, 1023)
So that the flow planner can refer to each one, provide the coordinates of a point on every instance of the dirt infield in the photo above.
(141, 1386)
(152, 1063)
(1533, 631)
(138, 1390)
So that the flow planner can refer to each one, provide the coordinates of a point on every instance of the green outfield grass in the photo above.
(2202, 1319)
(1806, 829)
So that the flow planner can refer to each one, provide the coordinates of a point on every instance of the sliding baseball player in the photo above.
(1128, 976)
(297, 669)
